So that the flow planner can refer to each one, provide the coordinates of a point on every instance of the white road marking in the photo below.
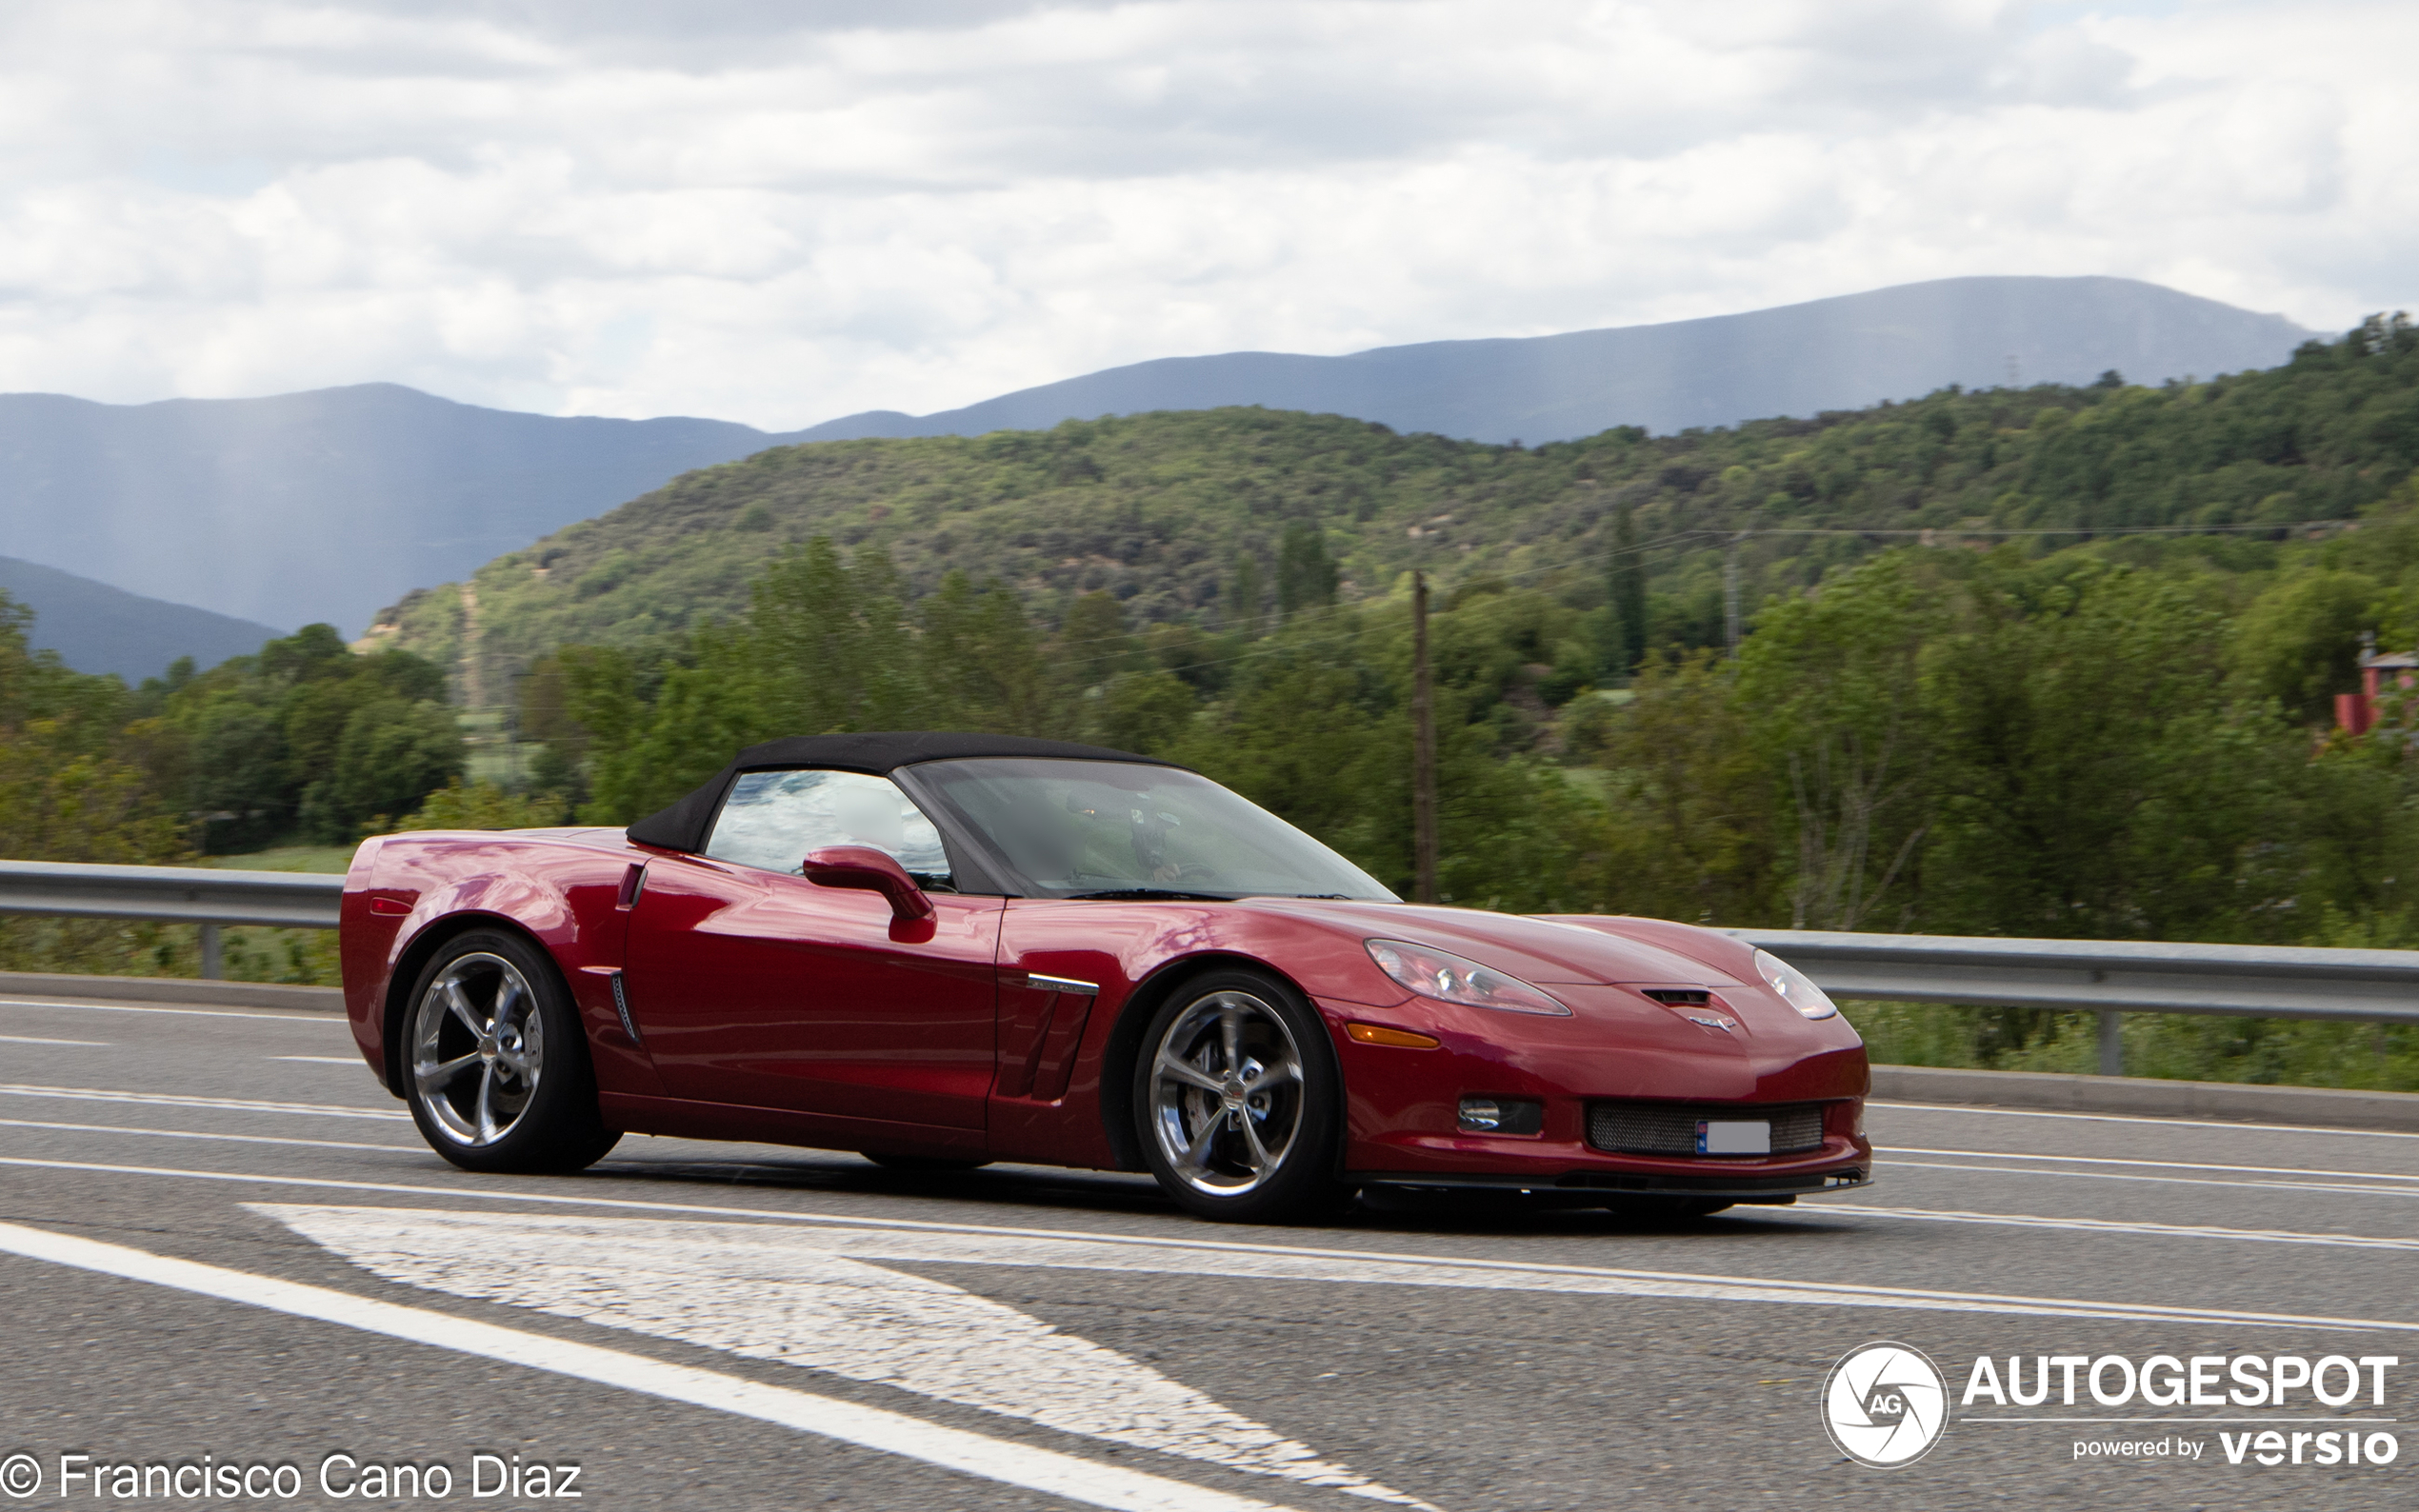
(28, 1039)
(1285, 1262)
(2171, 1165)
(232, 1105)
(2332, 1187)
(777, 1294)
(354, 1060)
(1044, 1470)
(303, 1016)
(2111, 1226)
(194, 1134)
(2145, 1118)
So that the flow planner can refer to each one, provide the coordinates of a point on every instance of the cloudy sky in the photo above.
(782, 213)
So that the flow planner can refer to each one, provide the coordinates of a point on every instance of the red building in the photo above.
(2357, 713)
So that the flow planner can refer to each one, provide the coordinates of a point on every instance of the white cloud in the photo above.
(781, 213)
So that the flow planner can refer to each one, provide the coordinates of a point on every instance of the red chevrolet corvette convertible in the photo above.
(943, 950)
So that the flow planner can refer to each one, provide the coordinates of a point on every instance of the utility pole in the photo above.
(1423, 752)
(1731, 594)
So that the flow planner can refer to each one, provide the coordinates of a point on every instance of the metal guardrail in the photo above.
(2108, 977)
(173, 895)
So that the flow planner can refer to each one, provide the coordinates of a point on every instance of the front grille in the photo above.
(1666, 1128)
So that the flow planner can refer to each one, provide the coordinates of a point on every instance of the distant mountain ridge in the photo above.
(318, 506)
(326, 505)
(1840, 353)
(95, 627)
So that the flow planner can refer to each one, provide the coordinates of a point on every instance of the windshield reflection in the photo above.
(1073, 829)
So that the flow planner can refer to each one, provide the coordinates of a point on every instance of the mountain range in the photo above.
(326, 505)
(1840, 353)
(95, 627)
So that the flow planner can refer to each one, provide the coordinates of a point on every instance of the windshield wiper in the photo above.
(1150, 894)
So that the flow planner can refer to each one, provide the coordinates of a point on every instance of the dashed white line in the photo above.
(195, 1134)
(354, 1060)
(301, 1016)
(2115, 1226)
(231, 1104)
(28, 1039)
(2332, 1188)
(1897, 1150)
(1037, 1469)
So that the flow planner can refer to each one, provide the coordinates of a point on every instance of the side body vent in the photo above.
(621, 1006)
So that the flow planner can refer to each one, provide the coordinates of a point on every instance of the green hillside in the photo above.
(1924, 727)
(1165, 511)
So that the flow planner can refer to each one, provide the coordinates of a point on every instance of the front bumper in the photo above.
(1403, 1127)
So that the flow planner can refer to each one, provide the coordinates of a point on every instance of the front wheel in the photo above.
(1238, 1107)
(496, 1066)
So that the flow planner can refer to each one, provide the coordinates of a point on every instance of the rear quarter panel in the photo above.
(406, 894)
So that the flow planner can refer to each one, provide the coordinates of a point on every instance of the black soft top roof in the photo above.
(683, 825)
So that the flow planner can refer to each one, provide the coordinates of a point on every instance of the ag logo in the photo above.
(1885, 1404)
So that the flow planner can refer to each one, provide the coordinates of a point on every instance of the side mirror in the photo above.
(865, 867)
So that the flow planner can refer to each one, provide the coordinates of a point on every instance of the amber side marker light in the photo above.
(1372, 1034)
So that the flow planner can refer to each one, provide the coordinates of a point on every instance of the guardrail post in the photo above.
(2112, 1043)
(213, 963)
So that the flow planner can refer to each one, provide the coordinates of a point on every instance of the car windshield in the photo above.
(1084, 828)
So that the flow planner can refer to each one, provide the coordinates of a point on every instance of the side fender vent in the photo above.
(621, 1006)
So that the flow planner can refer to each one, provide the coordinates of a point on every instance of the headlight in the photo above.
(1796, 988)
(1439, 974)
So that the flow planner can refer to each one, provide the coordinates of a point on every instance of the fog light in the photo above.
(1502, 1115)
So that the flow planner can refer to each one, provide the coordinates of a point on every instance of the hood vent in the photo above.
(1679, 997)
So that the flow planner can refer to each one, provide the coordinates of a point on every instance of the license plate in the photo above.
(1727, 1137)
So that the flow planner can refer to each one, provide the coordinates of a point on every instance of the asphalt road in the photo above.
(222, 1245)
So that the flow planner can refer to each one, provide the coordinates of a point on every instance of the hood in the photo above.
(1544, 951)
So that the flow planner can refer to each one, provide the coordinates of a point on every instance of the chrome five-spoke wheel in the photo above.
(1226, 1093)
(478, 1049)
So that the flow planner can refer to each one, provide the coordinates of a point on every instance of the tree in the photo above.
(1245, 595)
(2299, 641)
(2094, 779)
(485, 805)
(1306, 574)
(391, 755)
(1627, 567)
(1830, 685)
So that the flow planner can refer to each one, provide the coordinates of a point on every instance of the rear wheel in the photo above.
(496, 1066)
(1237, 1102)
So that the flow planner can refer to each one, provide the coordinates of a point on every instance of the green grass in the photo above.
(2177, 1046)
(330, 860)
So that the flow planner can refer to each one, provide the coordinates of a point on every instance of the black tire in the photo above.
(924, 1164)
(500, 1099)
(1185, 1120)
